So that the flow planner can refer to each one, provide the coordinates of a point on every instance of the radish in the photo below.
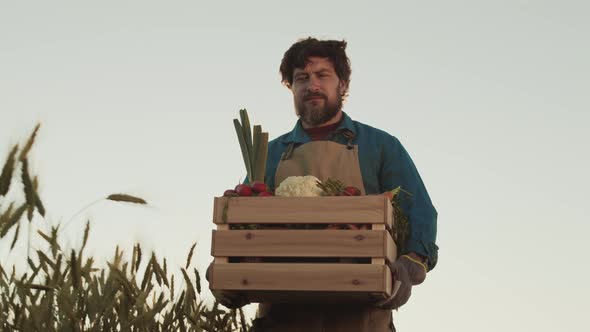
(243, 190)
(230, 193)
(351, 191)
(259, 187)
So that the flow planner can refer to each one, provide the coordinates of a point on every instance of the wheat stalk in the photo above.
(7, 171)
(68, 292)
(190, 255)
(25, 151)
(126, 198)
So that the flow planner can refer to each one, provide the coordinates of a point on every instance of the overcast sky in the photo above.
(490, 98)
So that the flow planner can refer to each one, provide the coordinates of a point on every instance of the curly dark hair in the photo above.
(297, 57)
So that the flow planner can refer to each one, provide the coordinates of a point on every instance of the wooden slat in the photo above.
(302, 277)
(315, 297)
(307, 210)
(221, 258)
(303, 243)
(378, 261)
(390, 248)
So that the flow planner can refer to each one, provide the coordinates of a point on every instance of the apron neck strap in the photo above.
(288, 152)
(346, 133)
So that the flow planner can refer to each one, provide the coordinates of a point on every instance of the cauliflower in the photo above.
(299, 186)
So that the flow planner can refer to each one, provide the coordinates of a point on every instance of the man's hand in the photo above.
(408, 270)
(399, 273)
(229, 299)
(416, 267)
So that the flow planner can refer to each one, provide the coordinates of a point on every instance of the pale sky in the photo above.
(490, 98)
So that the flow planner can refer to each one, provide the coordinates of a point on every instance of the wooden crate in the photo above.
(305, 276)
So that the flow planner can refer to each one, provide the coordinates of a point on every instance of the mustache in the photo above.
(314, 94)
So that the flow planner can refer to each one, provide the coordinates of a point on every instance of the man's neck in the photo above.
(335, 119)
(321, 133)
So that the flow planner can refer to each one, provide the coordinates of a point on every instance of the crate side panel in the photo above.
(219, 204)
(390, 248)
(299, 277)
(311, 210)
(315, 297)
(301, 243)
(388, 213)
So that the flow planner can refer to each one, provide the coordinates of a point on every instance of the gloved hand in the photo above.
(408, 271)
(229, 299)
(415, 267)
(399, 273)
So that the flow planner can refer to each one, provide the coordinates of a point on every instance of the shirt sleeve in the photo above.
(398, 170)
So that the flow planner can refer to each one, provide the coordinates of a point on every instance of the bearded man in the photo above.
(327, 143)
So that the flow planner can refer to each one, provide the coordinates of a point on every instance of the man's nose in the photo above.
(314, 84)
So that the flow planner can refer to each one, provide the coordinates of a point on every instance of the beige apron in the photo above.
(323, 159)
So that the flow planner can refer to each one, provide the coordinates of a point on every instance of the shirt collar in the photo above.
(298, 135)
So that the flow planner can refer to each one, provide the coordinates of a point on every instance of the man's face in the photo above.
(317, 92)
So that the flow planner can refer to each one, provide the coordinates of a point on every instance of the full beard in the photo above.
(316, 115)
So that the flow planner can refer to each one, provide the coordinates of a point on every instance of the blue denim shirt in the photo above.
(385, 165)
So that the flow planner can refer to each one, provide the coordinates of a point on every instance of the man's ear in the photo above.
(343, 88)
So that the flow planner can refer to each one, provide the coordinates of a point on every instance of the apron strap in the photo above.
(349, 135)
(346, 133)
(288, 152)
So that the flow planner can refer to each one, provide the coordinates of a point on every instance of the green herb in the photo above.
(254, 147)
(401, 226)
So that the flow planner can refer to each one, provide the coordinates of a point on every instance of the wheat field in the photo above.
(65, 290)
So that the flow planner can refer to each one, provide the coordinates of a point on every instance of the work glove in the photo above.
(400, 281)
(228, 298)
(416, 269)
(407, 272)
